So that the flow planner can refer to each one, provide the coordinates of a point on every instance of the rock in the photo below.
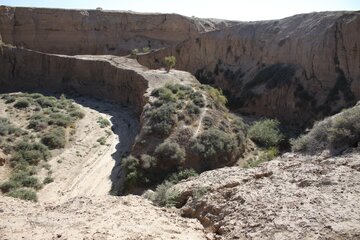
(303, 197)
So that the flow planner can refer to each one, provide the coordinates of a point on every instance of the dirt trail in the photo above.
(84, 169)
(202, 114)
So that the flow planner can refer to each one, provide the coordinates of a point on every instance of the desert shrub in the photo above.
(48, 180)
(213, 143)
(192, 109)
(148, 161)
(216, 94)
(8, 98)
(135, 51)
(335, 133)
(36, 95)
(31, 153)
(77, 113)
(164, 94)
(103, 122)
(8, 186)
(264, 156)
(170, 62)
(6, 127)
(146, 49)
(131, 167)
(165, 195)
(181, 175)
(60, 119)
(38, 122)
(266, 133)
(170, 153)
(101, 140)
(46, 102)
(22, 103)
(162, 119)
(198, 99)
(25, 179)
(55, 138)
(23, 193)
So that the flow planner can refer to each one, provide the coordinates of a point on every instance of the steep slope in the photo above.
(95, 31)
(296, 68)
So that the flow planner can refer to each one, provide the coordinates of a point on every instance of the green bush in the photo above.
(216, 94)
(55, 138)
(25, 179)
(170, 153)
(131, 167)
(170, 62)
(192, 109)
(38, 122)
(8, 98)
(22, 103)
(214, 143)
(48, 180)
(23, 193)
(162, 119)
(60, 119)
(165, 195)
(6, 127)
(103, 122)
(46, 102)
(266, 133)
(31, 153)
(77, 113)
(198, 99)
(264, 156)
(335, 133)
(8, 186)
(181, 175)
(164, 94)
(101, 140)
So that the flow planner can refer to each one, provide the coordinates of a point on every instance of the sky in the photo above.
(243, 10)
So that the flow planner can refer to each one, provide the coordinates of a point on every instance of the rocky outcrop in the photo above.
(95, 31)
(292, 197)
(297, 69)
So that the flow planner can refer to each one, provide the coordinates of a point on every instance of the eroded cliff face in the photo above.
(117, 79)
(297, 69)
(97, 32)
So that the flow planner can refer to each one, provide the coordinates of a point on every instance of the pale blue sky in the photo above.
(246, 10)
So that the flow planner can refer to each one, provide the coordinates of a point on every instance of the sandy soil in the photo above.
(105, 217)
(84, 168)
(77, 205)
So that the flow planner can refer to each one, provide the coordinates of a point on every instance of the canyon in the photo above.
(298, 70)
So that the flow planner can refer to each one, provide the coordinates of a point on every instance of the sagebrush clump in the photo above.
(266, 133)
(336, 133)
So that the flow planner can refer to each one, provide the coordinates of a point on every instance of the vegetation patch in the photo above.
(181, 123)
(266, 133)
(103, 122)
(336, 134)
(43, 124)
